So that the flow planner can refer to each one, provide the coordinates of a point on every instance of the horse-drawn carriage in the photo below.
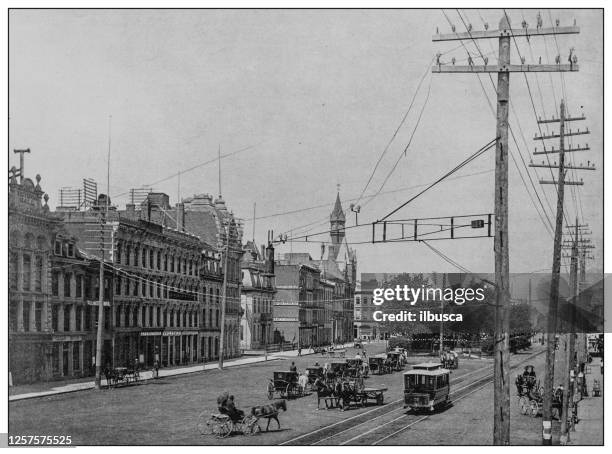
(334, 353)
(285, 384)
(313, 373)
(450, 360)
(121, 376)
(395, 361)
(223, 424)
(377, 365)
(338, 369)
(356, 368)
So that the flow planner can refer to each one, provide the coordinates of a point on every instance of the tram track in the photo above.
(370, 422)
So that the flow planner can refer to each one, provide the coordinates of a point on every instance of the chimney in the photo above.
(180, 216)
(270, 259)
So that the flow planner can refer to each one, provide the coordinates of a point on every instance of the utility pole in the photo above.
(103, 215)
(223, 296)
(570, 343)
(442, 312)
(549, 374)
(501, 411)
(100, 331)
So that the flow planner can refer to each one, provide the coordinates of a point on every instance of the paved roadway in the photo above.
(166, 411)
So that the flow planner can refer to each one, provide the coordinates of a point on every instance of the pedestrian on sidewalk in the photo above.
(299, 351)
(156, 369)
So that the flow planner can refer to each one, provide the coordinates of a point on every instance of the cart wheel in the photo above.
(270, 391)
(205, 424)
(535, 408)
(380, 399)
(222, 429)
(252, 427)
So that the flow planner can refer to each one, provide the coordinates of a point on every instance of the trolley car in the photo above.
(426, 387)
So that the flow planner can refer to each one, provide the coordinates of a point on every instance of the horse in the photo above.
(324, 391)
(270, 411)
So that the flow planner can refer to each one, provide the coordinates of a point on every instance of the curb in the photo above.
(38, 395)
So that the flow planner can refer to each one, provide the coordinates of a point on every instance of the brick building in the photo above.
(257, 297)
(316, 297)
(165, 286)
(53, 292)
(297, 301)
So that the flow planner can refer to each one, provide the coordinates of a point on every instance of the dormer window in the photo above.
(70, 250)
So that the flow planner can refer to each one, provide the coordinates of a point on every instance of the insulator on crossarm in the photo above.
(453, 28)
(557, 22)
(522, 60)
(486, 25)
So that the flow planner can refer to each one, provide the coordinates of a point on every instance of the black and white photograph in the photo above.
(247, 225)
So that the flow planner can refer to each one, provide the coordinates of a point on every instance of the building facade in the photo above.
(315, 298)
(297, 302)
(165, 288)
(365, 326)
(257, 297)
(53, 292)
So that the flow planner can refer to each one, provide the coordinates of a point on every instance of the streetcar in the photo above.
(426, 387)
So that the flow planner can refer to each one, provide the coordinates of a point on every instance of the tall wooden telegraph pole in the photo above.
(561, 182)
(501, 422)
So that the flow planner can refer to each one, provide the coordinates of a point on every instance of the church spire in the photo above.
(337, 221)
(338, 214)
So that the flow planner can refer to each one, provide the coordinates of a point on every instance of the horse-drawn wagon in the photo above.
(285, 384)
(377, 365)
(313, 373)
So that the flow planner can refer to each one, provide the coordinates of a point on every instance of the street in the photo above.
(166, 411)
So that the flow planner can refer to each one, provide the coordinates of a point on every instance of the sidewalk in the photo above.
(589, 430)
(147, 375)
(84, 384)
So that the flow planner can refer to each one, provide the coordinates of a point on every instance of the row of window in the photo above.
(32, 272)
(144, 257)
(85, 318)
(262, 305)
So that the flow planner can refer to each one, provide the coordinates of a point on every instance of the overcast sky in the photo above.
(314, 96)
